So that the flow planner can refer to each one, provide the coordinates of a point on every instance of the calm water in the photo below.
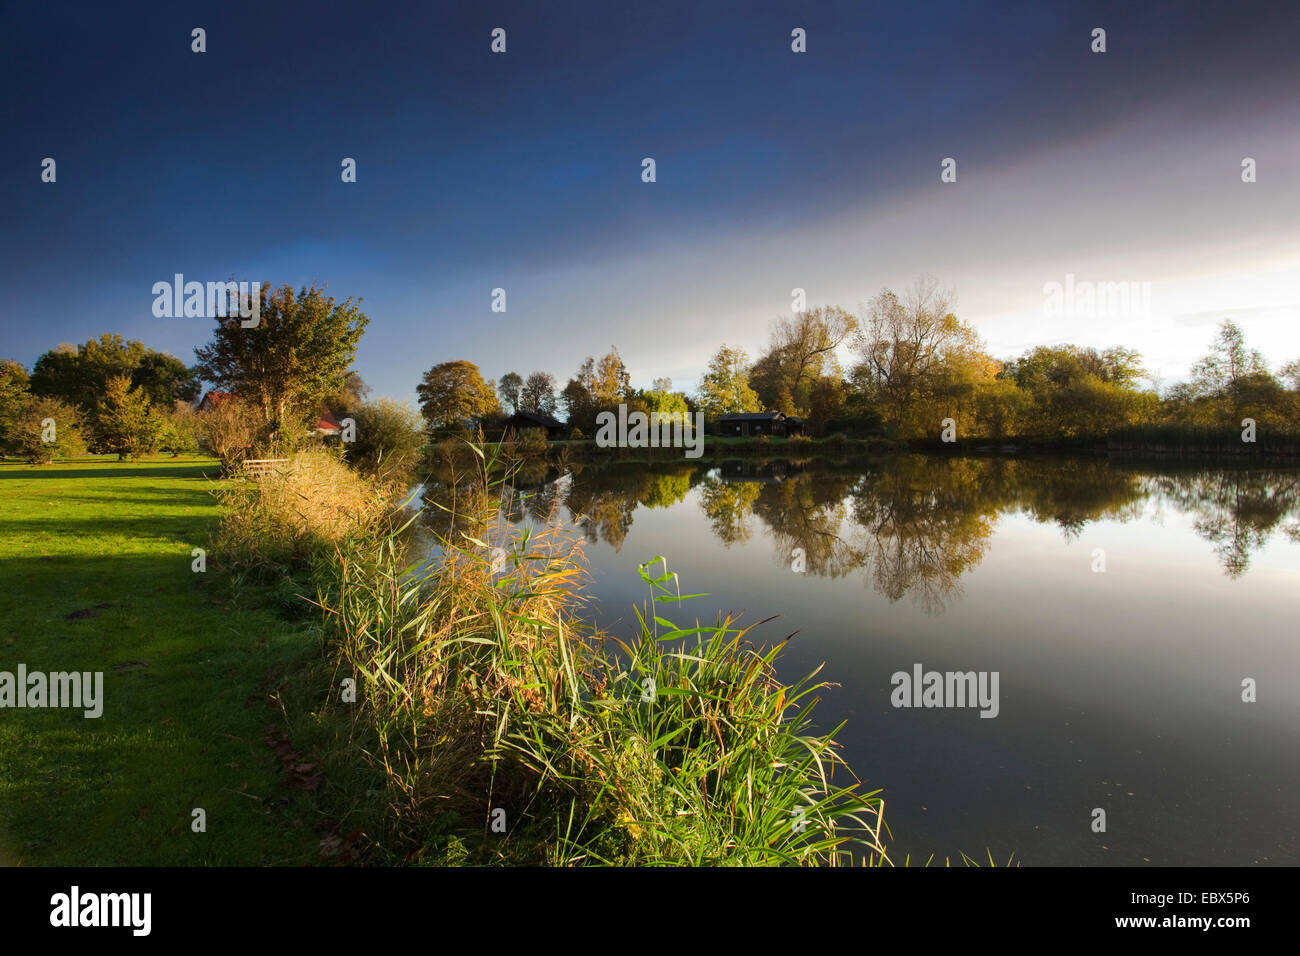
(1119, 689)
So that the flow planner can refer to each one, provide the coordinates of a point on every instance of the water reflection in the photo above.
(909, 526)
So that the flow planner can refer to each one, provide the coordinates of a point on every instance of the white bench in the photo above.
(259, 467)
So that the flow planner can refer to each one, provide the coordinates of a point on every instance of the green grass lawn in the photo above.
(184, 711)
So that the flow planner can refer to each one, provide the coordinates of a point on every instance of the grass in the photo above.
(185, 710)
(489, 727)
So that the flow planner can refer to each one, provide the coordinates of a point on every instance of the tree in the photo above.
(299, 352)
(725, 386)
(509, 389)
(579, 403)
(594, 388)
(79, 375)
(389, 438)
(1290, 372)
(906, 346)
(165, 379)
(665, 403)
(43, 427)
(826, 400)
(801, 351)
(180, 432)
(125, 421)
(14, 394)
(1228, 370)
(538, 394)
(351, 396)
(454, 394)
(612, 380)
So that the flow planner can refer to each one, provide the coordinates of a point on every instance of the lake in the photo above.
(1122, 606)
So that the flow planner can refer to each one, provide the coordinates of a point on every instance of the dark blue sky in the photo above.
(775, 170)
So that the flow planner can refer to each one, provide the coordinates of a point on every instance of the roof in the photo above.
(751, 417)
(213, 398)
(327, 422)
(538, 418)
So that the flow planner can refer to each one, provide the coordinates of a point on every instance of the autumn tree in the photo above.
(725, 386)
(454, 394)
(802, 350)
(1070, 391)
(916, 356)
(595, 387)
(299, 352)
(612, 381)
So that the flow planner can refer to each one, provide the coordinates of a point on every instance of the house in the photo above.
(327, 426)
(327, 423)
(522, 421)
(749, 424)
(212, 399)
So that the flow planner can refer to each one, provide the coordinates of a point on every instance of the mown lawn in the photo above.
(185, 712)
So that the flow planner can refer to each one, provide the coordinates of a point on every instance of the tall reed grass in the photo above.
(277, 523)
(490, 725)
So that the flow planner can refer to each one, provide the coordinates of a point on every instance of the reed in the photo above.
(490, 725)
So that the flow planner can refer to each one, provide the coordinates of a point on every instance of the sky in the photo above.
(775, 170)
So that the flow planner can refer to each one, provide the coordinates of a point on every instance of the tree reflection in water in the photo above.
(912, 525)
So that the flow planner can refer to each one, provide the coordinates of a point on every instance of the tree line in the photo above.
(120, 397)
(911, 364)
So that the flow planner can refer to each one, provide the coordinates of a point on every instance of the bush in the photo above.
(180, 432)
(43, 428)
(227, 428)
(532, 443)
(389, 439)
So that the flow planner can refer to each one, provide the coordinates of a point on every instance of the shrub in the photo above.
(180, 433)
(532, 443)
(43, 428)
(389, 438)
(228, 428)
